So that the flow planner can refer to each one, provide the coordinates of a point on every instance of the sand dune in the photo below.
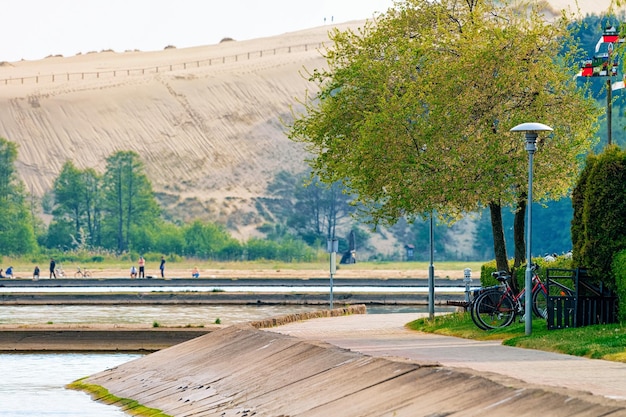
(207, 121)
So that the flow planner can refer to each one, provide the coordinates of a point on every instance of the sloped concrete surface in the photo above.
(242, 371)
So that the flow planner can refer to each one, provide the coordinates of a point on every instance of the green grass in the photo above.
(101, 394)
(597, 342)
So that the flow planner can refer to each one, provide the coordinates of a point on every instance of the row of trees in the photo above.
(117, 211)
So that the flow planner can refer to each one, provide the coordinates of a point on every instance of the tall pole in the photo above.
(332, 246)
(531, 130)
(531, 140)
(431, 272)
(609, 111)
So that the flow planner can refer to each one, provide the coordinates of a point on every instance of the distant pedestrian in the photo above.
(162, 267)
(36, 273)
(142, 265)
(133, 272)
(1, 273)
(53, 266)
(195, 273)
(9, 272)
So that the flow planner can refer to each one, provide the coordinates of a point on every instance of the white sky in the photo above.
(34, 29)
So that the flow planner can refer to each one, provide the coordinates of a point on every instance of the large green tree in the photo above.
(128, 200)
(77, 204)
(17, 234)
(413, 111)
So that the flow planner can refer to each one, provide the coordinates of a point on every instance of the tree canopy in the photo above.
(414, 110)
(17, 235)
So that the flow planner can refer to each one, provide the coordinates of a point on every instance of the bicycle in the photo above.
(59, 272)
(498, 307)
(82, 273)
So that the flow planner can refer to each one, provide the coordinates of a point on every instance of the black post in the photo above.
(609, 104)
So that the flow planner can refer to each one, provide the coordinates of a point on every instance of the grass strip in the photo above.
(127, 405)
(603, 341)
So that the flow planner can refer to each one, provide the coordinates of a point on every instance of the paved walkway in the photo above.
(385, 335)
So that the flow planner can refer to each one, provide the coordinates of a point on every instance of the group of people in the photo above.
(134, 272)
(7, 274)
(141, 273)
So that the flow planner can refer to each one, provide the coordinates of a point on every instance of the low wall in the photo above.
(52, 339)
(243, 371)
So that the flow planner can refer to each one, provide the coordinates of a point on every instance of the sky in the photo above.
(34, 29)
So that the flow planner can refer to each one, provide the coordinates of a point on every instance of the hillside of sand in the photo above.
(208, 121)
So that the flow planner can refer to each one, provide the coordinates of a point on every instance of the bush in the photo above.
(598, 228)
(619, 271)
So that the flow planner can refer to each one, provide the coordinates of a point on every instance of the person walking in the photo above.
(142, 265)
(52, 268)
(36, 273)
(162, 267)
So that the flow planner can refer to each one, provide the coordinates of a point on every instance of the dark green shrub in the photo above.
(598, 227)
(619, 271)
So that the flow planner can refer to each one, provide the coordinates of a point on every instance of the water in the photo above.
(246, 289)
(173, 315)
(33, 385)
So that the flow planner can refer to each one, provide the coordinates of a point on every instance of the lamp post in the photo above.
(531, 130)
(431, 272)
(332, 246)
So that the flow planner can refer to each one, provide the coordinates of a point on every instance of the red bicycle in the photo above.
(498, 306)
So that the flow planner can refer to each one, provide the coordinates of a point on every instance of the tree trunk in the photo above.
(499, 244)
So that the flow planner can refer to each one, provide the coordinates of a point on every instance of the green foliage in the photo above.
(77, 205)
(619, 271)
(129, 201)
(307, 208)
(288, 250)
(17, 229)
(383, 121)
(598, 229)
(210, 241)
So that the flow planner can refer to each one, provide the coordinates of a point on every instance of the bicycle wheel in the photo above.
(78, 274)
(495, 309)
(473, 311)
(540, 298)
(87, 274)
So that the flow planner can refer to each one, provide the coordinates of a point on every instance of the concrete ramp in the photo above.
(241, 371)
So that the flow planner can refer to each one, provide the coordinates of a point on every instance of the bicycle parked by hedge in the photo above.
(498, 306)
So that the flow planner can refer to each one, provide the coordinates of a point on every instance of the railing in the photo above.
(77, 76)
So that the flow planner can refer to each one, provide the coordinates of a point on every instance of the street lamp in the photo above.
(531, 130)
(332, 246)
(431, 272)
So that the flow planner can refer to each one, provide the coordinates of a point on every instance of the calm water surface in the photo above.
(33, 384)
